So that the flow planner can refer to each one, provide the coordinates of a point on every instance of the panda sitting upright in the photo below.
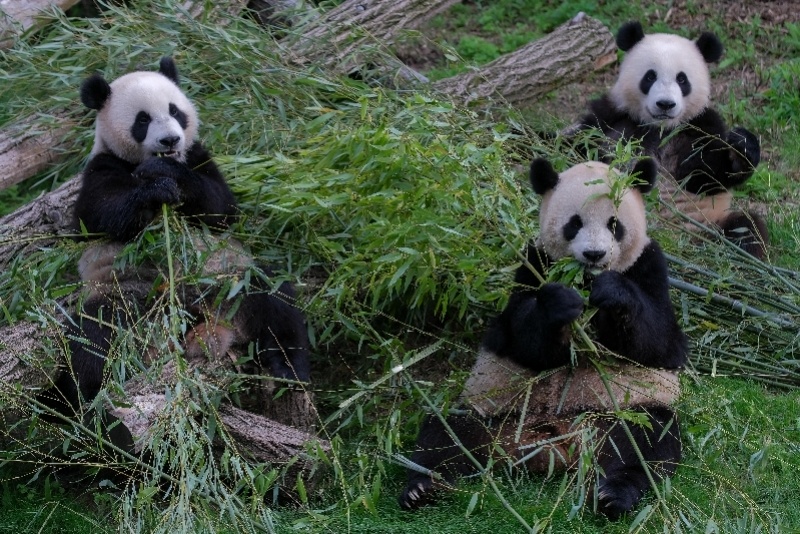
(661, 98)
(146, 154)
(522, 393)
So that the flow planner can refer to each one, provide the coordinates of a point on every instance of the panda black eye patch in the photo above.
(140, 125)
(616, 228)
(572, 227)
(647, 81)
(684, 83)
(179, 115)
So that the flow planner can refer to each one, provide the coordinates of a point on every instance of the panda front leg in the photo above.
(624, 478)
(438, 451)
(744, 154)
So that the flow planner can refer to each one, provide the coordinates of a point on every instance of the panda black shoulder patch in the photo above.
(527, 395)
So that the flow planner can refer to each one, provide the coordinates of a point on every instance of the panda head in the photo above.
(141, 114)
(663, 78)
(579, 218)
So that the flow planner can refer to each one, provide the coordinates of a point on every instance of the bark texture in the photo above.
(350, 29)
(31, 145)
(22, 358)
(583, 44)
(39, 223)
(19, 16)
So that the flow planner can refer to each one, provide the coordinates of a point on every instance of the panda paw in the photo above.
(615, 499)
(745, 150)
(559, 304)
(156, 167)
(161, 191)
(610, 291)
(417, 494)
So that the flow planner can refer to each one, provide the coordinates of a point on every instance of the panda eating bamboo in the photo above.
(661, 100)
(526, 396)
(147, 155)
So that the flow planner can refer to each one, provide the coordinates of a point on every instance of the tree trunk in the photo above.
(19, 16)
(581, 45)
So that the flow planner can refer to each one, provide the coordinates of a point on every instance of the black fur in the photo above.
(645, 170)
(95, 90)
(629, 34)
(710, 47)
(711, 159)
(625, 480)
(120, 199)
(168, 68)
(542, 175)
(635, 317)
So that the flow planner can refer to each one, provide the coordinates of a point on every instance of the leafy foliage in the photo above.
(399, 215)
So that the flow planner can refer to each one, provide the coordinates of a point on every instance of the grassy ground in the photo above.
(411, 207)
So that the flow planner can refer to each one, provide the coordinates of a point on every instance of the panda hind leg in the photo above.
(89, 335)
(748, 231)
(623, 479)
(438, 452)
(272, 319)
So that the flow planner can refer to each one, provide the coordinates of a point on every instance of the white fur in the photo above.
(667, 55)
(151, 92)
(585, 190)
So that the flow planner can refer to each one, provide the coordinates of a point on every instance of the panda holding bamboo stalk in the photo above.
(540, 399)
(147, 162)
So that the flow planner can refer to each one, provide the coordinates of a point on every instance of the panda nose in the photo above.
(665, 105)
(170, 141)
(594, 255)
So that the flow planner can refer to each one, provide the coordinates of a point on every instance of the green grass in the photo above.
(413, 208)
(44, 508)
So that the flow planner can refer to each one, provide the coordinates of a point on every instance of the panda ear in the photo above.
(167, 67)
(629, 34)
(95, 91)
(543, 176)
(646, 173)
(710, 46)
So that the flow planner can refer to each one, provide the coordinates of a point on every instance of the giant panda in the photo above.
(524, 390)
(146, 154)
(661, 98)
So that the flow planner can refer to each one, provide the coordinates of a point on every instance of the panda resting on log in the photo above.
(662, 99)
(523, 395)
(146, 154)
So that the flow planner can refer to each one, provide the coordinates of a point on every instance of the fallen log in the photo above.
(581, 45)
(281, 434)
(350, 28)
(39, 223)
